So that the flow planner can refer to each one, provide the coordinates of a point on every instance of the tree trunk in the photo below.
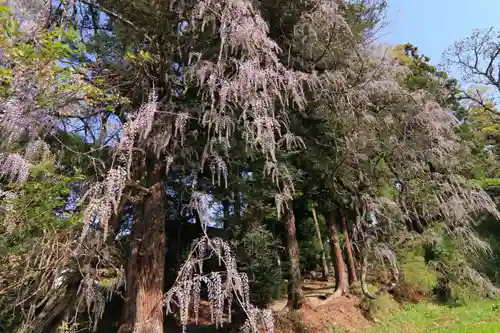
(340, 279)
(236, 196)
(351, 265)
(128, 311)
(225, 207)
(322, 248)
(295, 295)
(326, 245)
(151, 257)
(237, 205)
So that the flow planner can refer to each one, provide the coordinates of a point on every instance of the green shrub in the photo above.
(417, 281)
(381, 307)
(256, 252)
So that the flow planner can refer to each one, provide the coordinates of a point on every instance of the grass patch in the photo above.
(380, 308)
(480, 317)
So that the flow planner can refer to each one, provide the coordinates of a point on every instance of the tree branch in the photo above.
(117, 16)
(138, 187)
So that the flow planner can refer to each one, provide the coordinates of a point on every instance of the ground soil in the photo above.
(320, 314)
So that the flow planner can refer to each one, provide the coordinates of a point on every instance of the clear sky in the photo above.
(433, 25)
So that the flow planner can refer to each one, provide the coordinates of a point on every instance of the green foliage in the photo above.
(448, 265)
(458, 282)
(481, 317)
(310, 248)
(363, 16)
(40, 208)
(489, 263)
(427, 77)
(74, 151)
(380, 308)
(418, 280)
(257, 255)
(56, 54)
(464, 294)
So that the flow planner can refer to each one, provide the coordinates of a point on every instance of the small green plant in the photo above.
(66, 327)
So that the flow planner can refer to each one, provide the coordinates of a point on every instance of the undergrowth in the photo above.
(479, 317)
(380, 308)
(291, 322)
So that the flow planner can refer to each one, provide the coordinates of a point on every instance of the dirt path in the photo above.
(317, 316)
(320, 314)
(314, 291)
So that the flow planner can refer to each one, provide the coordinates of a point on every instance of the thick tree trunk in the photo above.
(340, 279)
(295, 294)
(322, 248)
(351, 265)
(151, 257)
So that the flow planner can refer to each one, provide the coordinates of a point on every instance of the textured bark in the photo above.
(151, 256)
(340, 279)
(322, 248)
(351, 265)
(295, 294)
(129, 305)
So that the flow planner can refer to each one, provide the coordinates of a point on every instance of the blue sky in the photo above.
(433, 25)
